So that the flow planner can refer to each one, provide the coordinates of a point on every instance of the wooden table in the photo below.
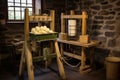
(83, 67)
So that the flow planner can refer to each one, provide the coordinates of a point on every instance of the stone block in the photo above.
(112, 43)
(109, 34)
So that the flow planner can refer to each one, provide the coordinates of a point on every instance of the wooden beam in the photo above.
(84, 22)
(60, 63)
(26, 25)
(77, 43)
(72, 55)
(52, 24)
(22, 62)
(37, 18)
(62, 23)
(29, 62)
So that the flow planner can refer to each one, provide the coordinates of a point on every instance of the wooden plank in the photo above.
(26, 25)
(83, 57)
(28, 55)
(62, 24)
(72, 55)
(29, 63)
(72, 17)
(40, 58)
(40, 18)
(22, 62)
(77, 43)
(84, 22)
(52, 24)
(60, 63)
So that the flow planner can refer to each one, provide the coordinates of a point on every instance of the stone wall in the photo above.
(105, 24)
(11, 32)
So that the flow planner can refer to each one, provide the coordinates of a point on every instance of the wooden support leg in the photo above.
(92, 58)
(22, 62)
(59, 61)
(29, 63)
(49, 60)
(61, 49)
(26, 57)
(84, 68)
(83, 59)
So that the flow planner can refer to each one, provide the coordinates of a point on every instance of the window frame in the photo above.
(17, 21)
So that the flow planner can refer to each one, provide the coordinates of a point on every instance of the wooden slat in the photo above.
(40, 18)
(73, 16)
(72, 55)
(40, 58)
(77, 43)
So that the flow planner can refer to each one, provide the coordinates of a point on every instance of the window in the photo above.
(16, 9)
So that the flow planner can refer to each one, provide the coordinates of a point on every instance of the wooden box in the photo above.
(84, 39)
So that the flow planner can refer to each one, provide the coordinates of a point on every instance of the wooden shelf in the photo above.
(41, 58)
(77, 43)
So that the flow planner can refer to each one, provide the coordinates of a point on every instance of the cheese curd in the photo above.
(41, 30)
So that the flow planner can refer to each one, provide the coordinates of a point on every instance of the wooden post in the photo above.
(83, 57)
(22, 62)
(92, 58)
(59, 61)
(52, 24)
(84, 16)
(72, 12)
(61, 49)
(29, 63)
(62, 23)
(26, 25)
(52, 27)
(26, 52)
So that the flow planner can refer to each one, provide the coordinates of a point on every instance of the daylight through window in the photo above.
(16, 9)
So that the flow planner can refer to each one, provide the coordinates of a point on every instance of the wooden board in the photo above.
(77, 43)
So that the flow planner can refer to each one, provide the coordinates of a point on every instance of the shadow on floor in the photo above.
(50, 73)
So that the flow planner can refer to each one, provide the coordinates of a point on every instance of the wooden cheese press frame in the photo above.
(26, 57)
(83, 67)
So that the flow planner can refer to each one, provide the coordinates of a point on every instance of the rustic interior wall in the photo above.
(103, 23)
(105, 18)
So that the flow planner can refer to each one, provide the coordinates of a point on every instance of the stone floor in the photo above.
(50, 73)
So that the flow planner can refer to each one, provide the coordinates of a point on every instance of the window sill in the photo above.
(11, 22)
(17, 22)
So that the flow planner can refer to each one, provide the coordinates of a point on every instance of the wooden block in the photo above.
(85, 69)
(84, 39)
(63, 36)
